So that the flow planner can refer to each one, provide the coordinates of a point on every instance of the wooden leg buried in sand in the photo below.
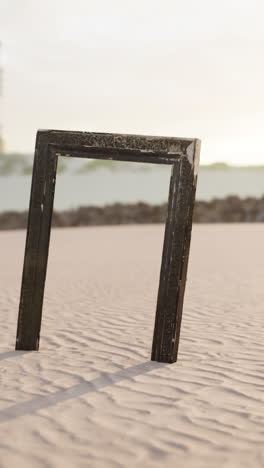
(36, 251)
(174, 265)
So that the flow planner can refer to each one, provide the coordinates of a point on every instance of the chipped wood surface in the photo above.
(182, 154)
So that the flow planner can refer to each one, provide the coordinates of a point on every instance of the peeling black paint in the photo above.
(182, 154)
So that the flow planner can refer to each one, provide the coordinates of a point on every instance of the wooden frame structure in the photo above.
(181, 154)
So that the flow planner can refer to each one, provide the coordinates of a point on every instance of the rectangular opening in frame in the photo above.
(102, 184)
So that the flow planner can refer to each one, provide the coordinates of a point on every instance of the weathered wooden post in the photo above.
(182, 154)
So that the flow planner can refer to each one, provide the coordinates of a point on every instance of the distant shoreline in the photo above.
(21, 164)
(228, 210)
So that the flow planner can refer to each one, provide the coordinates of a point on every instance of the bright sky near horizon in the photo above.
(192, 68)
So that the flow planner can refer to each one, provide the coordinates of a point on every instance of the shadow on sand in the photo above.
(51, 399)
(11, 354)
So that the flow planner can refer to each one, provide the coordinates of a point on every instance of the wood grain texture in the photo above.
(182, 154)
(37, 246)
(174, 265)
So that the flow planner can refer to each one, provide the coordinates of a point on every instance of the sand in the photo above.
(91, 398)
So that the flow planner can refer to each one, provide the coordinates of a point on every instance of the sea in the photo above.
(103, 186)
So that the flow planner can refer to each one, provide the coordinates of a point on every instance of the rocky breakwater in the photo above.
(229, 210)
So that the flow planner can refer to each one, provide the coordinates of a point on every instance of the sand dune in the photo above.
(91, 398)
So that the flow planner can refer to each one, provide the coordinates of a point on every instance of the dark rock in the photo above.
(229, 210)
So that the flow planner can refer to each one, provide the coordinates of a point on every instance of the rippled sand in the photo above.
(91, 398)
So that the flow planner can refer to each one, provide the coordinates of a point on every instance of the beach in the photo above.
(91, 397)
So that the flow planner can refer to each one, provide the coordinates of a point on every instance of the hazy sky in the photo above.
(174, 67)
